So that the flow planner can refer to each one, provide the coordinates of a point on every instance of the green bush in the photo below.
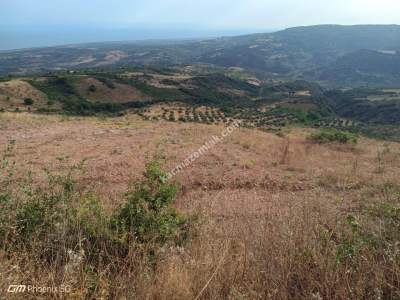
(360, 239)
(334, 136)
(148, 214)
(92, 88)
(28, 101)
(62, 89)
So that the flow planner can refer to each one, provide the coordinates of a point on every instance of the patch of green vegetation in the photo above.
(92, 88)
(307, 117)
(61, 89)
(359, 239)
(56, 88)
(148, 212)
(106, 81)
(385, 132)
(28, 101)
(334, 136)
(355, 104)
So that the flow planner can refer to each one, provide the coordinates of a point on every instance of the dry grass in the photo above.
(275, 212)
(13, 93)
(122, 93)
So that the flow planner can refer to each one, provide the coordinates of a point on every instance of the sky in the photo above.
(30, 23)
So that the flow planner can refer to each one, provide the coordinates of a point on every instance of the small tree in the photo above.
(28, 101)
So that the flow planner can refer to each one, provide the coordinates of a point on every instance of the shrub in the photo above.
(148, 215)
(334, 136)
(92, 88)
(28, 101)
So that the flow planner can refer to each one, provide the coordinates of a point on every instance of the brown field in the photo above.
(13, 93)
(120, 94)
(305, 105)
(272, 208)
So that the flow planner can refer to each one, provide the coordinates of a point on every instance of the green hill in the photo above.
(362, 67)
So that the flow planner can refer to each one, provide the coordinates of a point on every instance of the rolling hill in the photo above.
(362, 67)
(301, 52)
(268, 80)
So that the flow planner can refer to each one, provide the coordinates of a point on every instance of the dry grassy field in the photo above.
(13, 92)
(278, 216)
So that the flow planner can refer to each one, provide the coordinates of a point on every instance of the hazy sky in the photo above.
(178, 18)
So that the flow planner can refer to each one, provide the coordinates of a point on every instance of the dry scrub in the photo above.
(279, 217)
